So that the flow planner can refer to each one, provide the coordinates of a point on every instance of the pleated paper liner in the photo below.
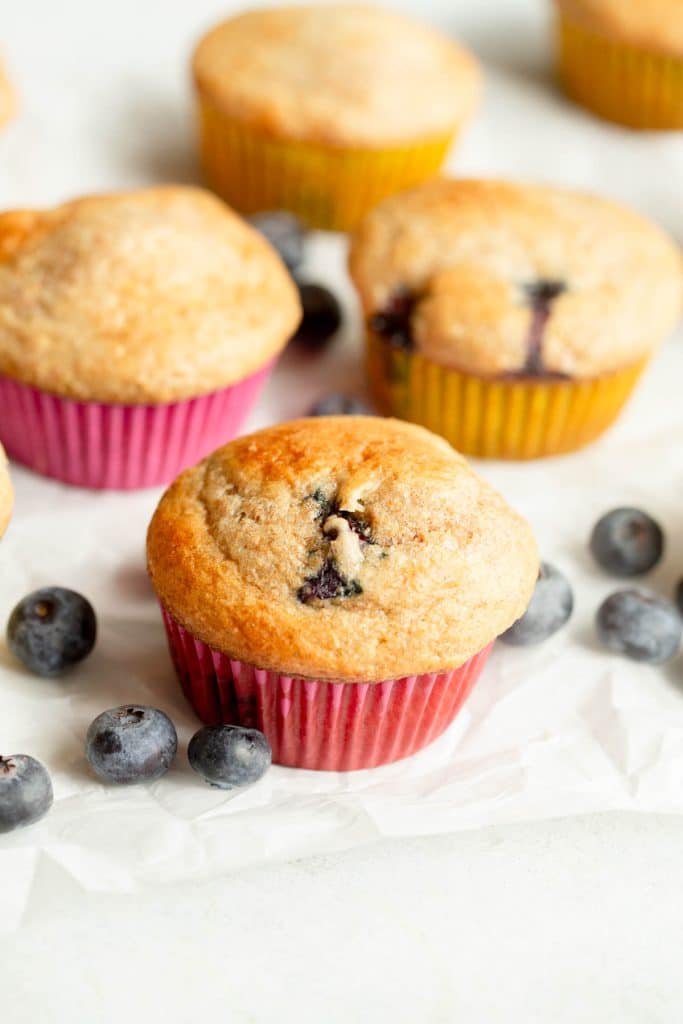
(329, 187)
(318, 724)
(618, 81)
(119, 447)
(492, 417)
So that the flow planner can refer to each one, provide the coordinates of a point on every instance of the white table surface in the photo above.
(526, 868)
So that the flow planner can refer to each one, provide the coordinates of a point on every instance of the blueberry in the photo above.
(132, 743)
(540, 295)
(25, 791)
(227, 756)
(640, 625)
(551, 605)
(51, 630)
(394, 323)
(285, 232)
(627, 542)
(328, 582)
(322, 316)
(340, 405)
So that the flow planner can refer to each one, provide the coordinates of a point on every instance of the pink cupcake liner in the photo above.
(314, 723)
(119, 447)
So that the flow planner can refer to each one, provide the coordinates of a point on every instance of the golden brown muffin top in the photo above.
(6, 493)
(342, 74)
(653, 24)
(140, 297)
(342, 548)
(496, 278)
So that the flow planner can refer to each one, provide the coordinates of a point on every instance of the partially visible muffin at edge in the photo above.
(7, 98)
(623, 59)
(159, 311)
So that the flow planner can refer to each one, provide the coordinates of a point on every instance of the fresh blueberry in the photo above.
(679, 596)
(340, 405)
(51, 630)
(285, 232)
(25, 791)
(551, 605)
(640, 625)
(322, 316)
(132, 743)
(627, 542)
(228, 756)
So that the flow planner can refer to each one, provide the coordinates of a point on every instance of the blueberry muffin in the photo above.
(336, 582)
(135, 331)
(513, 319)
(6, 493)
(325, 110)
(623, 59)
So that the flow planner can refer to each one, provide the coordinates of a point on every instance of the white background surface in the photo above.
(311, 897)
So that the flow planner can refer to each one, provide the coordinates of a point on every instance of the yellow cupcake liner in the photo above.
(329, 187)
(619, 81)
(497, 418)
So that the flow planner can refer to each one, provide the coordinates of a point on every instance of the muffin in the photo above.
(6, 98)
(337, 583)
(512, 319)
(325, 110)
(623, 59)
(6, 493)
(135, 332)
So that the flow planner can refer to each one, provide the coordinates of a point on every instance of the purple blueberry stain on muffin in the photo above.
(344, 534)
(329, 507)
(327, 583)
(394, 322)
(539, 296)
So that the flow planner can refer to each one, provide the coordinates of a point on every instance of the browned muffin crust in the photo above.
(346, 548)
(497, 278)
(344, 74)
(151, 296)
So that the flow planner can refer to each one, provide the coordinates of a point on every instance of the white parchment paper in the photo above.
(558, 730)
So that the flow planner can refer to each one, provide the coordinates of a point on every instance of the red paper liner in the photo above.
(119, 447)
(312, 723)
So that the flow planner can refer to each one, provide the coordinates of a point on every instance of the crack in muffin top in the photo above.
(151, 296)
(471, 253)
(341, 74)
(346, 548)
